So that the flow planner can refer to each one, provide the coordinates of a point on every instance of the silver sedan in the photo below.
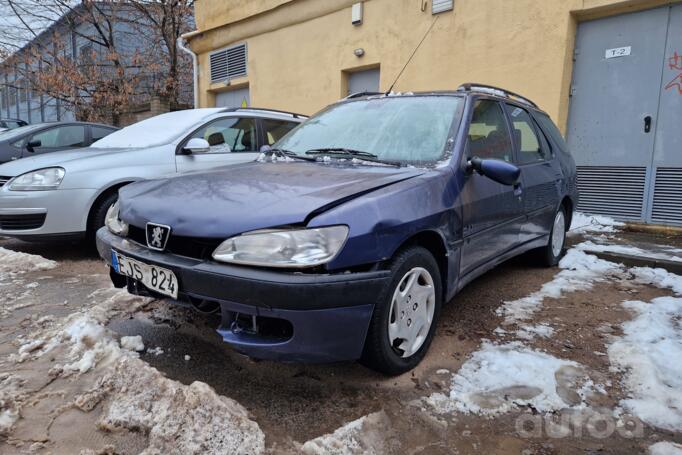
(67, 194)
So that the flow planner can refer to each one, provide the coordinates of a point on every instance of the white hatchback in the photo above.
(67, 194)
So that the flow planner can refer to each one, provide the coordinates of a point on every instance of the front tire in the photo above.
(99, 214)
(404, 319)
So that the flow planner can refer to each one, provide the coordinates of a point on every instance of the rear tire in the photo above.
(98, 215)
(404, 319)
(551, 254)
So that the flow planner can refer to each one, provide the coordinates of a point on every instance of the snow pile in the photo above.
(590, 246)
(367, 435)
(133, 395)
(580, 272)
(14, 262)
(501, 377)
(650, 354)
(177, 418)
(583, 223)
(665, 448)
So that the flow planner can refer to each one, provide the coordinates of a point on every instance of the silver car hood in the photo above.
(62, 158)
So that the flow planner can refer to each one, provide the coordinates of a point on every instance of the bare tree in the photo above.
(97, 58)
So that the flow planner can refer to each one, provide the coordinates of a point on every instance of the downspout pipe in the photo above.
(182, 44)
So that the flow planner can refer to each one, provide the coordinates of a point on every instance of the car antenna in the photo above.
(413, 52)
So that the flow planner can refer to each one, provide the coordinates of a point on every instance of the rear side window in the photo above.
(63, 136)
(98, 132)
(525, 135)
(276, 129)
(488, 132)
(551, 130)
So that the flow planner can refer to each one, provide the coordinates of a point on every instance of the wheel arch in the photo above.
(106, 192)
(567, 204)
(434, 242)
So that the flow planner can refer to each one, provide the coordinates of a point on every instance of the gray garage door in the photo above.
(625, 113)
(233, 98)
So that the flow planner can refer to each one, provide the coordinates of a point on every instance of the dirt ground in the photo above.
(294, 403)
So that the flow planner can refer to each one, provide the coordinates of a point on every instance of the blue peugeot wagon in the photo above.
(344, 239)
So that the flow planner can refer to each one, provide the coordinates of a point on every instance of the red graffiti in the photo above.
(675, 63)
(677, 82)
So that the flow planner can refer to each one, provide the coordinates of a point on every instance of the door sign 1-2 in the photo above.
(618, 52)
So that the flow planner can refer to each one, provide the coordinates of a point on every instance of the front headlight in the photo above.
(43, 179)
(114, 223)
(285, 248)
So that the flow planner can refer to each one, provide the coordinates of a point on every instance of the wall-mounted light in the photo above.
(356, 13)
(359, 52)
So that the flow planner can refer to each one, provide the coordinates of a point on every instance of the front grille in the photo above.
(191, 247)
(4, 180)
(22, 222)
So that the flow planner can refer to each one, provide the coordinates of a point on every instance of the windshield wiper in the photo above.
(351, 153)
(287, 153)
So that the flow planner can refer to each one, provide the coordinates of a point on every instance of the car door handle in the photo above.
(518, 189)
(647, 124)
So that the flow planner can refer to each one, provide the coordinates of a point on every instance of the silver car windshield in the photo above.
(411, 129)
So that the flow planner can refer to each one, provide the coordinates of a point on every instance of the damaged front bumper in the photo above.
(269, 314)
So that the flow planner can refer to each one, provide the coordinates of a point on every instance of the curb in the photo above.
(639, 261)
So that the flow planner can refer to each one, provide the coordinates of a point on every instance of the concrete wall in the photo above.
(300, 51)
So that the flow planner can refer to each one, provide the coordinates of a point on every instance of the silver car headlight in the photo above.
(114, 223)
(43, 179)
(283, 248)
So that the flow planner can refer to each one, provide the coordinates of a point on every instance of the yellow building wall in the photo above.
(298, 51)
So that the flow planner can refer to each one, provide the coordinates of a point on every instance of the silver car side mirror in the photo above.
(196, 145)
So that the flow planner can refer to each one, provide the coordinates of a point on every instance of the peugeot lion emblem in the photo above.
(157, 236)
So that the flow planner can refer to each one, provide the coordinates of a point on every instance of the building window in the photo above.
(228, 63)
(21, 86)
(439, 6)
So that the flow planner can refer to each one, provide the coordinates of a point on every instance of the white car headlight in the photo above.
(43, 179)
(114, 223)
(283, 248)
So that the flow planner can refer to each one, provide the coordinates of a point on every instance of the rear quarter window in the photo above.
(550, 129)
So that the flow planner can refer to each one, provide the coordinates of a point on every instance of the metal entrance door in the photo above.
(623, 122)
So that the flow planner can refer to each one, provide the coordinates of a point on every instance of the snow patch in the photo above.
(646, 353)
(665, 448)
(132, 343)
(583, 223)
(658, 277)
(367, 435)
(529, 332)
(501, 377)
(580, 272)
(590, 246)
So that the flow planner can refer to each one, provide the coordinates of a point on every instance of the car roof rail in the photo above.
(359, 94)
(483, 88)
(263, 109)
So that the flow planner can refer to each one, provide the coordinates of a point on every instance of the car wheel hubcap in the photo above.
(411, 313)
(558, 233)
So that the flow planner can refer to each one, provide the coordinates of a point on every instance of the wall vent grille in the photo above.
(616, 191)
(667, 206)
(439, 6)
(228, 63)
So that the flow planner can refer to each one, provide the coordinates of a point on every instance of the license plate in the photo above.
(155, 278)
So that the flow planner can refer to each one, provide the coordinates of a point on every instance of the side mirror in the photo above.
(497, 170)
(196, 145)
(32, 144)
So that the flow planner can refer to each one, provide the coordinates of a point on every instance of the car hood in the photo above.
(61, 158)
(237, 199)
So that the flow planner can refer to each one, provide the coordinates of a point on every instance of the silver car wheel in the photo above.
(558, 233)
(411, 313)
